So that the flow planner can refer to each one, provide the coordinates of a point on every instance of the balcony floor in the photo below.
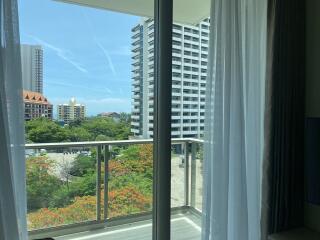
(183, 227)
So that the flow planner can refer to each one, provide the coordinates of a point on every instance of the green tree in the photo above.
(82, 186)
(108, 127)
(102, 137)
(40, 183)
(125, 117)
(75, 123)
(83, 165)
(92, 129)
(79, 134)
(43, 130)
(131, 153)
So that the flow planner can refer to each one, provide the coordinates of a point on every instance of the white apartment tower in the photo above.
(189, 72)
(32, 67)
(71, 111)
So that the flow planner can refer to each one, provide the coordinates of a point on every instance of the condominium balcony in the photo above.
(112, 195)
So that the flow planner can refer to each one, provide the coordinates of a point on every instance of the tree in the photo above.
(43, 130)
(75, 123)
(108, 127)
(70, 196)
(100, 126)
(130, 189)
(102, 137)
(82, 186)
(122, 202)
(125, 117)
(65, 166)
(83, 165)
(40, 183)
(79, 134)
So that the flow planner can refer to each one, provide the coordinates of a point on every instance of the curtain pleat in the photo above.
(233, 148)
(13, 223)
(283, 184)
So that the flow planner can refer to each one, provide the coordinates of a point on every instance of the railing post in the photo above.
(186, 173)
(193, 174)
(98, 184)
(106, 179)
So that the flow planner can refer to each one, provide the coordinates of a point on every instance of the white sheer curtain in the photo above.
(13, 224)
(234, 120)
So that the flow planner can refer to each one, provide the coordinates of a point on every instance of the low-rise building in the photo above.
(115, 116)
(36, 105)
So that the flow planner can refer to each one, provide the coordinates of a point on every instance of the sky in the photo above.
(86, 53)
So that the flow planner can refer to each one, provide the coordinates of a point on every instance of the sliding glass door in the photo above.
(87, 72)
(114, 114)
(190, 46)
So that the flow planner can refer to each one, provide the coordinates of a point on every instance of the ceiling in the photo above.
(184, 11)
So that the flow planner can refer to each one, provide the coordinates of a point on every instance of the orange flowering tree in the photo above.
(122, 202)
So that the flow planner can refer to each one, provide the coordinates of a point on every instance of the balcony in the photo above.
(119, 204)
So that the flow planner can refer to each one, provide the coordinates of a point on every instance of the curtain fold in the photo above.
(283, 195)
(234, 120)
(13, 224)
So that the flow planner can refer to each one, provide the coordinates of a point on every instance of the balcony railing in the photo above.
(186, 181)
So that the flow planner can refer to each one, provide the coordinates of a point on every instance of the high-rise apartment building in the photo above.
(189, 72)
(71, 111)
(32, 67)
(36, 105)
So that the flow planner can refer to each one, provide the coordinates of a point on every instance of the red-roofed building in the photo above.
(36, 105)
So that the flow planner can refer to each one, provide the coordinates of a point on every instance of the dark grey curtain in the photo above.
(283, 182)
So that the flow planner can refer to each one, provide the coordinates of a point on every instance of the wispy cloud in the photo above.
(109, 101)
(64, 55)
(108, 104)
(108, 90)
(121, 51)
(95, 101)
(68, 85)
(107, 55)
(98, 43)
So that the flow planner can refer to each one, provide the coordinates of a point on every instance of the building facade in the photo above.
(189, 72)
(32, 67)
(36, 105)
(71, 111)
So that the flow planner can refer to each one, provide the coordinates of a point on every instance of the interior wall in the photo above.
(312, 212)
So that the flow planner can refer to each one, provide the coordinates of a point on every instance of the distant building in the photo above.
(115, 116)
(71, 111)
(36, 105)
(189, 71)
(32, 67)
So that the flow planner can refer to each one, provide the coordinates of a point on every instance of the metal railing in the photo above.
(103, 151)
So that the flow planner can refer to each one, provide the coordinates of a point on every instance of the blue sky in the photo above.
(86, 53)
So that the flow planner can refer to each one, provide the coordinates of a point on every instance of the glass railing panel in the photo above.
(197, 176)
(130, 179)
(178, 175)
(61, 186)
(62, 181)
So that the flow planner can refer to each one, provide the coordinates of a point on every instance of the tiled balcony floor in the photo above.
(183, 227)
